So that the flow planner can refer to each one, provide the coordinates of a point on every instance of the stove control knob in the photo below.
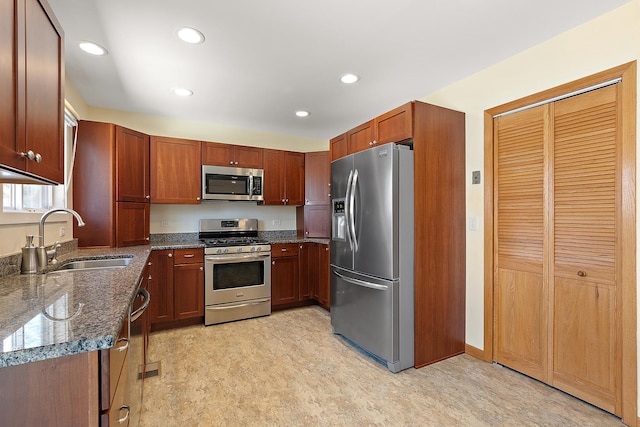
(239, 250)
(219, 251)
(253, 249)
(259, 249)
(226, 250)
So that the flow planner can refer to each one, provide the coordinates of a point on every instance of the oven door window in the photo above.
(227, 184)
(238, 275)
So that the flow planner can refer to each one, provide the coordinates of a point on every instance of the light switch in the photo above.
(473, 223)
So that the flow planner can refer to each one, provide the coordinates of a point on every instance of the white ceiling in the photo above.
(264, 59)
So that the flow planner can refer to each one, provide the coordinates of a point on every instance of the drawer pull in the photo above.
(284, 249)
(189, 255)
(582, 273)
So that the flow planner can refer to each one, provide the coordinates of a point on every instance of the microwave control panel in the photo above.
(257, 185)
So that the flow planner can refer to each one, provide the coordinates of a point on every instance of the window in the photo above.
(27, 198)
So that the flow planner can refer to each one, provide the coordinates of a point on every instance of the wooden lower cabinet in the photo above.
(285, 273)
(322, 295)
(299, 274)
(86, 389)
(308, 270)
(188, 287)
(176, 285)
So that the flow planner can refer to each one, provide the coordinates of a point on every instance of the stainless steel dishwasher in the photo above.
(138, 340)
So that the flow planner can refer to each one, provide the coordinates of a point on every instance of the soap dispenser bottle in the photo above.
(29, 257)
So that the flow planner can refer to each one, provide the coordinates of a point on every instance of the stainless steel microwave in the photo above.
(225, 183)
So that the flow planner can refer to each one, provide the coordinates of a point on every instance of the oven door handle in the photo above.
(226, 259)
(246, 304)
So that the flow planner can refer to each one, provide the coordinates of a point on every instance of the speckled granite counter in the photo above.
(43, 316)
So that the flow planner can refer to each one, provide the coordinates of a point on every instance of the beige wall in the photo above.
(605, 42)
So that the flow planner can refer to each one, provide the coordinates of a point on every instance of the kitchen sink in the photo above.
(94, 264)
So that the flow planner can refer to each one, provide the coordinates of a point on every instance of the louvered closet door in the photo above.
(586, 186)
(521, 287)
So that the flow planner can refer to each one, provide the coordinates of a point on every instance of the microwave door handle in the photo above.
(250, 186)
(347, 209)
(352, 210)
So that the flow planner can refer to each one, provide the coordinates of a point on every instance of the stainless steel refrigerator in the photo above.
(372, 252)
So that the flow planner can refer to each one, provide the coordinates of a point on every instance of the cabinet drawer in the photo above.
(120, 407)
(188, 256)
(285, 249)
(111, 363)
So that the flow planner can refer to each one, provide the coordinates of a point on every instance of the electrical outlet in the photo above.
(165, 223)
(475, 177)
(276, 222)
(473, 223)
(62, 232)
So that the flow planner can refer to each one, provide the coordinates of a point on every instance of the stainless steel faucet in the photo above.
(43, 254)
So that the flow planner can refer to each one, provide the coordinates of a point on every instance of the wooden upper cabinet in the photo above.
(32, 84)
(132, 223)
(294, 178)
(317, 180)
(361, 138)
(394, 126)
(111, 185)
(175, 170)
(132, 166)
(8, 154)
(273, 186)
(338, 147)
(248, 157)
(217, 154)
(283, 178)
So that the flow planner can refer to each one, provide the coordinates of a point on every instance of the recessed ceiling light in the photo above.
(302, 113)
(190, 35)
(182, 91)
(349, 78)
(92, 48)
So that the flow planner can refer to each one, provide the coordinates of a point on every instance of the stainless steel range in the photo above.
(237, 275)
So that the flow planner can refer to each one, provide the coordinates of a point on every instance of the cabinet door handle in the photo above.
(273, 263)
(146, 238)
(326, 249)
(170, 255)
(150, 263)
(201, 268)
(126, 417)
(236, 163)
(198, 198)
(301, 245)
(231, 162)
(38, 158)
(125, 346)
(148, 196)
(28, 155)
(582, 273)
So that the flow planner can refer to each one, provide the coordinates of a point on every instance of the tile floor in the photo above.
(288, 369)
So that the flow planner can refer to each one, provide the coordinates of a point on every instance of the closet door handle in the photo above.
(582, 273)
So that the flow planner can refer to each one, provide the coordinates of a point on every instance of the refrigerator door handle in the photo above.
(352, 210)
(361, 282)
(347, 209)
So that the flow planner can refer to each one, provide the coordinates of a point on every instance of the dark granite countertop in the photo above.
(43, 316)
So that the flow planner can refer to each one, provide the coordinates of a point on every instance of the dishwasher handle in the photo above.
(147, 299)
